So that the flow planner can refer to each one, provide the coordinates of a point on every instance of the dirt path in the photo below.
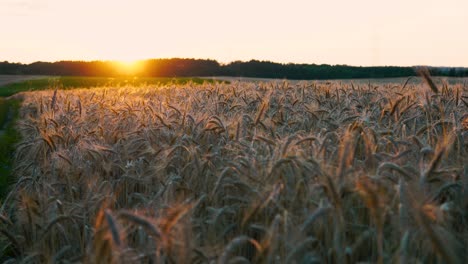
(6, 79)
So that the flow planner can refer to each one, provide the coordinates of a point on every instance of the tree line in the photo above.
(178, 67)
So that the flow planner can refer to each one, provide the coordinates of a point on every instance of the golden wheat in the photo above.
(243, 172)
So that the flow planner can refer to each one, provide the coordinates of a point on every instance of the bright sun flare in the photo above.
(129, 67)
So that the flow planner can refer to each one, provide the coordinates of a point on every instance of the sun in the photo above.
(129, 67)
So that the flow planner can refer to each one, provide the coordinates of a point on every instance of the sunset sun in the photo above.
(129, 67)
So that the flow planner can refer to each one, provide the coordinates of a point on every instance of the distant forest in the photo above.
(177, 67)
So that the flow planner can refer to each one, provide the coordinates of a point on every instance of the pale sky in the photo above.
(353, 32)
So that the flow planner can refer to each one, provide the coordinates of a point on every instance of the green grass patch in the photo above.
(3, 112)
(90, 82)
(29, 85)
(8, 138)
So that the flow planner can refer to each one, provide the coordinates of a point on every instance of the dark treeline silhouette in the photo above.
(312, 71)
(180, 68)
(177, 67)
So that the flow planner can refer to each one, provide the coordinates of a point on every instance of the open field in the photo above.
(8, 79)
(269, 172)
(377, 81)
(13, 84)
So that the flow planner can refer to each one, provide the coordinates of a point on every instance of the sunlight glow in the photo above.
(129, 67)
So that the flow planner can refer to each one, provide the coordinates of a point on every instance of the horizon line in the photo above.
(226, 63)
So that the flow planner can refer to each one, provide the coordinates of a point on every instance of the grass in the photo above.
(4, 107)
(241, 173)
(8, 138)
(72, 82)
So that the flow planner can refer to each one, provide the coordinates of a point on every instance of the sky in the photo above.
(352, 32)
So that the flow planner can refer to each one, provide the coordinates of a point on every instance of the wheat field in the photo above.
(241, 173)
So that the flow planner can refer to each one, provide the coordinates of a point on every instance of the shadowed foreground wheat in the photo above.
(239, 173)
